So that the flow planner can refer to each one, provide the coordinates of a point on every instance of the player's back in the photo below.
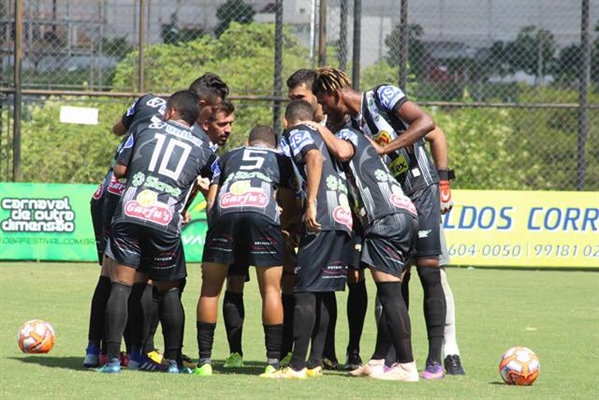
(163, 159)
(248, 179)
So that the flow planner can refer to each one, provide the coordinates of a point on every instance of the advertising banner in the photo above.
(523, 228)
(52, 222)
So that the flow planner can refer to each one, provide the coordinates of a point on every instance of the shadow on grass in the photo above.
(249, 368)
(53, 362)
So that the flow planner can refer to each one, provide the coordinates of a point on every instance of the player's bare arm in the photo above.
(438, 144)
(119, 129)
(211, 197)
(120, 171)
(341, 149)
(420, 123)
(314, 162)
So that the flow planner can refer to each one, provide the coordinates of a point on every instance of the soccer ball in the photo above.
(36, 336)
(519, 366)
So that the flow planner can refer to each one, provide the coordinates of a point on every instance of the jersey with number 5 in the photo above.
(248, 178)
(163, 160)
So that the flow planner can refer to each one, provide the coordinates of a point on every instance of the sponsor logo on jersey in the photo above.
(115, 187)
(399, 165)
(299, 139)
(382, 138)
(247, 199)
(157, 213)
(403, 202)
(99, 191)
(156, 102)
(389, 95)
(343, 216)
(423, 234)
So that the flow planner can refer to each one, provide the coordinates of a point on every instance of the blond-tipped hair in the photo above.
(329, 79)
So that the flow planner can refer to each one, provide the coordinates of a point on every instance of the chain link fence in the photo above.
(513, 83)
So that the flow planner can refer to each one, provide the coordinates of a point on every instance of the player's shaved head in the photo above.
(262, 134)
(302, 76)
(185, 106)
(299, 110)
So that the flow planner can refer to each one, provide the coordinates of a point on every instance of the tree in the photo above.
(233, 10)
(416, 49)
(532, 52)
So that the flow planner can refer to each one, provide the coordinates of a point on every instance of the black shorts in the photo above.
(239, 270)
(148, 250)
(429, 218)
(322, 261)
(356, 251)
(390, 243)
(244, 238)
(96, 206)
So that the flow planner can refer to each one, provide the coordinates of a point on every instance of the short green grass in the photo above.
(556, 313)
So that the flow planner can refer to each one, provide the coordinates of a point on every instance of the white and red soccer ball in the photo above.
(519, 366)
(36, 337)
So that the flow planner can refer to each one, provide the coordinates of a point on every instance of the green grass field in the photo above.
(555, 313)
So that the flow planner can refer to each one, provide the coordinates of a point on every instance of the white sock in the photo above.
(450, 342)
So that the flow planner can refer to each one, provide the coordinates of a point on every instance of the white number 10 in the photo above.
(168, 152)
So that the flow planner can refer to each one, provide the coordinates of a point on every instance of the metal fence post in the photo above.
(16, 160)
(404, 50)
(278, 82)
(142, 32)
(343, 35)
(356, 45)
(585, 70)
(322, 33)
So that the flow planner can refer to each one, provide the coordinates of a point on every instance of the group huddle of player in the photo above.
(347, 186)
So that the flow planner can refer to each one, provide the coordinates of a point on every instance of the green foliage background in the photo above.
(490, 148)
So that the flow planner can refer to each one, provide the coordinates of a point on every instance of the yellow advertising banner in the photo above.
(523, 228)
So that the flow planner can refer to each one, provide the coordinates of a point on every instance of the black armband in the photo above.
(446, 174)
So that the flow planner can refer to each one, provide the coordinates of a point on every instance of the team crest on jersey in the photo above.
(115, 186)
(147, 207)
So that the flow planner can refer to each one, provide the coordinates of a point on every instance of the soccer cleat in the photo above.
(155, 356)
(370, 368)
(330, 363)
(314, 372)
(204, 370)
(142, 362)
(399, 372)
(92, 357)
(187, 362)
(235, 360)
(124, 359)
(111, 367)
(453, 365)
(172, 368)
(287, 373)
(433, 370)
(352, 362)
(267, 371)
(285, 361)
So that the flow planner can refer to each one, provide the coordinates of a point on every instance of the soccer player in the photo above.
(299, 87)
(161, 162)
(244, 229)
(321, 266)
(210, 90)
(399, 127)
(390, 225)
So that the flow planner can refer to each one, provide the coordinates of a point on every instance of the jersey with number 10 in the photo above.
(163, 159)
(248, 178)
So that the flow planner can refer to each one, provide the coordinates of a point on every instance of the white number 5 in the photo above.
(255, 157)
